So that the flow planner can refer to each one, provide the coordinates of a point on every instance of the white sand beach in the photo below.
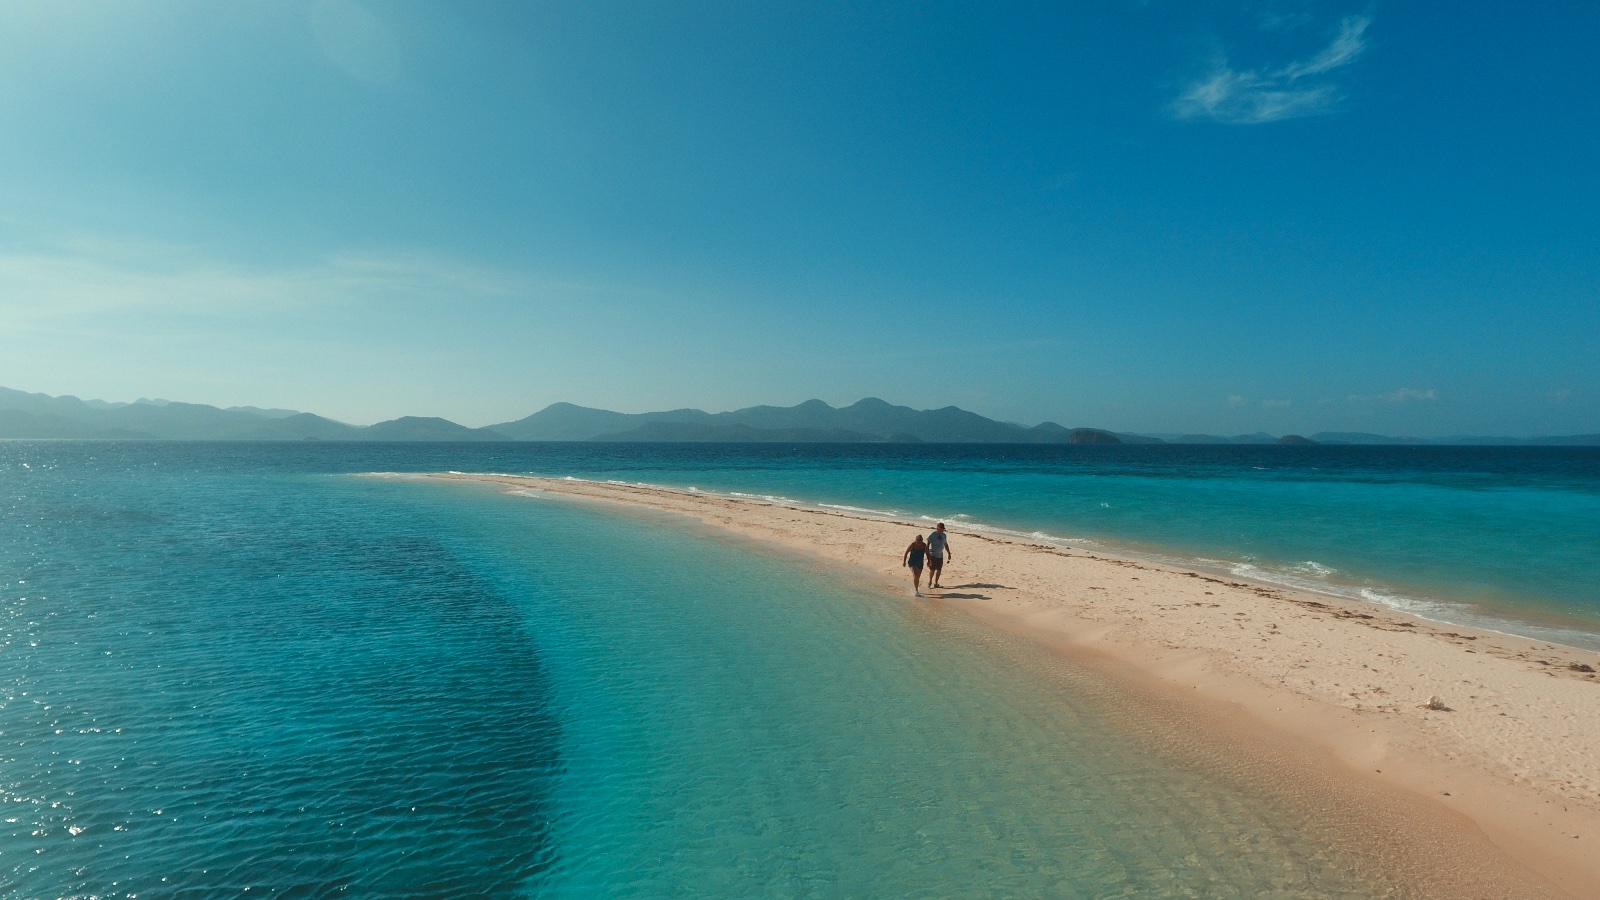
(1487, 744)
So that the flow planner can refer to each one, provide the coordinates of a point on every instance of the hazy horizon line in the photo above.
(1144, 432)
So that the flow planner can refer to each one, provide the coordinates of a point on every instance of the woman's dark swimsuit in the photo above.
(916, 558)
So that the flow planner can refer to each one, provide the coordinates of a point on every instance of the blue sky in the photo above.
(1159, 216)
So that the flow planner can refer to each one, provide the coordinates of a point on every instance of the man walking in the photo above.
(938, 549)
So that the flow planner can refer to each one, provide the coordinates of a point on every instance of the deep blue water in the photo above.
(213, 682)
(232, 666)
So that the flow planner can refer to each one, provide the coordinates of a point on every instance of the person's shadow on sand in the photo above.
(946, 592)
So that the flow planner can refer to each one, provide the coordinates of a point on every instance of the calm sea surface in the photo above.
(232, 666)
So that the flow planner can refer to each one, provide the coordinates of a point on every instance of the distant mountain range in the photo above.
(42, 416)
(868, 420)
(33, 416)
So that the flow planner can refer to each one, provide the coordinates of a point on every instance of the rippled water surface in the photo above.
(232, 667)
(213, 683)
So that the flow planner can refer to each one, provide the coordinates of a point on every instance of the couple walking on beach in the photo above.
(934, 549)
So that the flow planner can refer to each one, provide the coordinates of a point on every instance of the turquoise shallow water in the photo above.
(230, 666)
(735, 724)
(1504, 538)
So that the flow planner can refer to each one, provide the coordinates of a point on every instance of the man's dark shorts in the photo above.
(935, 563)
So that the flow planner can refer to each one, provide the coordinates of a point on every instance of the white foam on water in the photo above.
(1445, 613)
(859, 509)
(1311, 577)
(769, 498)
(1053, 539)
(1426, 609)
(1297, 577)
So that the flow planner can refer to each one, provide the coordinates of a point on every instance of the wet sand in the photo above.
(1476, 755)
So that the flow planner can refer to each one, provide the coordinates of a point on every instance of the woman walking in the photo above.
(913, 557)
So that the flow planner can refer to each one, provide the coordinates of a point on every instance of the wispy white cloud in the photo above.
(96, 277)
(1255, 96)
(1407, 395)
(1560, 396)
(1343, 51)
(1399, 395)
(1236, 401)
(1277, 404)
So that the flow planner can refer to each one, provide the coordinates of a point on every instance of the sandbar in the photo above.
(1480, 749)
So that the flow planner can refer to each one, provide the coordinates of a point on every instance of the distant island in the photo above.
(41, 416)
(869, 420)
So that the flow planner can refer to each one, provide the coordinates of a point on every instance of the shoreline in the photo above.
(1553, 629)
(1511, 766)
(1532, 627)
